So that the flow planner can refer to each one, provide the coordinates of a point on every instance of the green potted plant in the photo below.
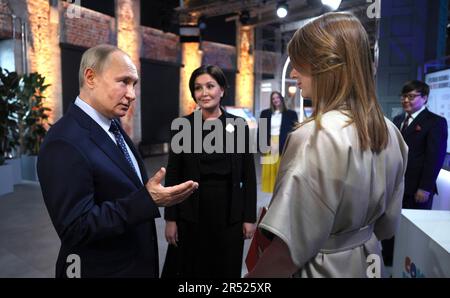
(33, 117)
(8, 128)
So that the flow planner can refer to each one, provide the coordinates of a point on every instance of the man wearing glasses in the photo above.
(426, 136)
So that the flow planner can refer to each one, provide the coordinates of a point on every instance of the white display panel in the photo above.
(439, 98)
(422, 244)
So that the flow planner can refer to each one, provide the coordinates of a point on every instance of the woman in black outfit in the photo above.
(206, 232)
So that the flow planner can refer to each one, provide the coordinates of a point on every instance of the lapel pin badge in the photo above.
(229, 128)
(418, 128)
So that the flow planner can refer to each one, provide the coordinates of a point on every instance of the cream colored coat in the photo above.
(329, 197)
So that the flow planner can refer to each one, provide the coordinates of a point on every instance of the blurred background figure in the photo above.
(425, 133)
(280, 122)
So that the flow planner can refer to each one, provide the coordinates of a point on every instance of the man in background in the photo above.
(425, 133)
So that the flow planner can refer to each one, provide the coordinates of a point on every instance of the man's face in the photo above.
(113, 88)
(413, 101)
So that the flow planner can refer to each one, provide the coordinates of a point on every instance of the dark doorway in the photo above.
(230, 99)
(159, 102)
(160, 15)
(70, 65)
(104, 6)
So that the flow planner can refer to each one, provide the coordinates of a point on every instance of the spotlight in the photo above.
(202, 23)
(292, 90)
(282, 9)
(332, 4)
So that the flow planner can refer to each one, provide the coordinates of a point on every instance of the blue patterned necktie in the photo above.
(114, 128)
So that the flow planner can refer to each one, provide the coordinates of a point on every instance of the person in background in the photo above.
(426, 134)
(280, 122)
(206, 232)
(340, 184)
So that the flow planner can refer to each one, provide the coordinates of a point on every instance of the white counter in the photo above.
(422, 244)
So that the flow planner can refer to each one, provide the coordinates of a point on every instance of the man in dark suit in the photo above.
(425, 133)
(94, 182)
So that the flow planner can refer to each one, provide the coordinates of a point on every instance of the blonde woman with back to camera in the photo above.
(340, 183)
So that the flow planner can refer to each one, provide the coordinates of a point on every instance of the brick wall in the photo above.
(129, 41)
(38, 22)
(5, 20)
(50, 25)
(44, 52)
(92, 28)
(218, 54)
(158, 45)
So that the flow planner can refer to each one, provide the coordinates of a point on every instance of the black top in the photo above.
(188, 166)
(215, 164)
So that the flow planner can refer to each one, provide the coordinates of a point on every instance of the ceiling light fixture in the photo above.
(282, 9)
(332, 4)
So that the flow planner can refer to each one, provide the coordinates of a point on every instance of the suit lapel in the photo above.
(99, 137)
(419, 119)
(103, 141)
(399, 120)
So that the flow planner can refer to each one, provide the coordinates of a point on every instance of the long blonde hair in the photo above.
(336, 50)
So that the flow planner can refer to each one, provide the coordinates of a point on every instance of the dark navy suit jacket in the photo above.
(426, 137)
(99, 207)
(288, 120)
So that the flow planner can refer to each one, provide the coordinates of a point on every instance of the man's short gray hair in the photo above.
(95, 59)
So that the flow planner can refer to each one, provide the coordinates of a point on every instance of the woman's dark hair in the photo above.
(418, 86)
(213, 71)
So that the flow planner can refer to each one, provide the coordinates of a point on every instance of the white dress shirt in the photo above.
(105, 124)
(413, 116)
(275, 123)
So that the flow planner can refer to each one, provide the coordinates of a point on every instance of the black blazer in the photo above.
(426, 138)
(185, 166)
(288, 120)
(99, 207)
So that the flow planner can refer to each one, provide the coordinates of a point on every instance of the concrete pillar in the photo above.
(43, 47)
(245, 52)
(191, 58)
(129, 40)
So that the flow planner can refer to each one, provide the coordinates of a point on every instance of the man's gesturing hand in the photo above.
(168, 196)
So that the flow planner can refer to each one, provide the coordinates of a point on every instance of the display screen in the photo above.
(439, 98)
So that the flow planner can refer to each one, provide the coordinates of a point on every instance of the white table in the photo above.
(422, 244)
